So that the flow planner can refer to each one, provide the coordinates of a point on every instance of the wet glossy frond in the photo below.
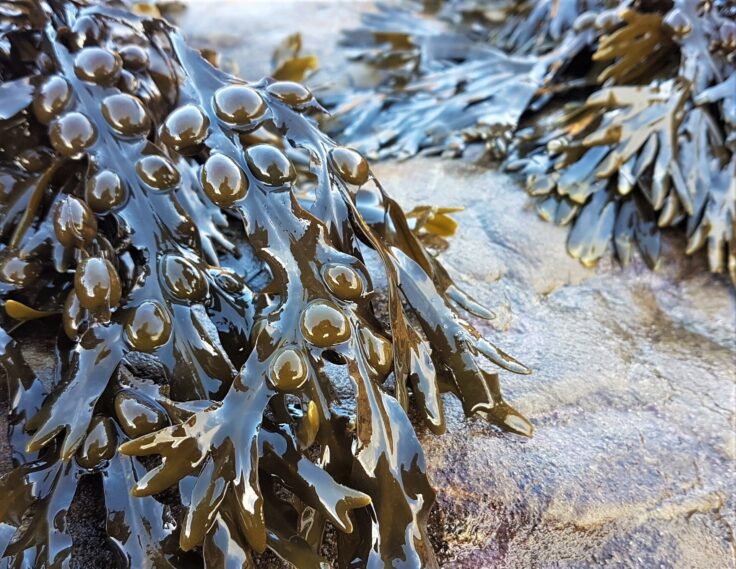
(287, 61)
(442, 83)
(638, 49)
(199, 245)
(538, 26)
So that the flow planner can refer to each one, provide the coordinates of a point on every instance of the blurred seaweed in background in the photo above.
(620, 115)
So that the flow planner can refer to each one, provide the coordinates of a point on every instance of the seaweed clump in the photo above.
(200, 245)
(619, 114)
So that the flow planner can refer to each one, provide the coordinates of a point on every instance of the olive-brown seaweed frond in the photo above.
(443, 83)
(667, 146)
(198, 247)
(643, 142)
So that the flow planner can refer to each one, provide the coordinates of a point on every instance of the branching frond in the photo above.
(479, 100)
(174, 215)
(648, 120)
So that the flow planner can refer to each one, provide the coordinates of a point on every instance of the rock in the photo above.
(632, 395)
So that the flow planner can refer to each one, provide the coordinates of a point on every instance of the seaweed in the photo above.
(622, 120)
(659, 145)
(288, 63)
(441, 112)
(436, 88)
(445, 78)
(200, 248)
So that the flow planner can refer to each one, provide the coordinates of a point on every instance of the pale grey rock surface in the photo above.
(632, 462)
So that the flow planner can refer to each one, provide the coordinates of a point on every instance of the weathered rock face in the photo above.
(632, 396)
(632, 463)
